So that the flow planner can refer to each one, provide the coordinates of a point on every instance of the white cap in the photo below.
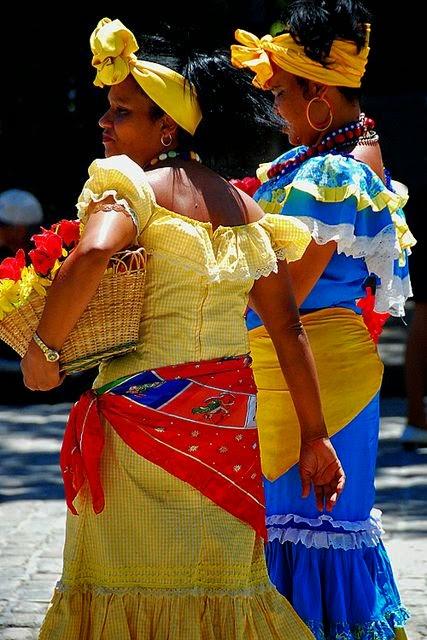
(19, 207)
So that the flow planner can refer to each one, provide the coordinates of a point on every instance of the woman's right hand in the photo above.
(319, 465)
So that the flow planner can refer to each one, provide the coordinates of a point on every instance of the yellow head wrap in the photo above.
(346, 66)
(113, 47)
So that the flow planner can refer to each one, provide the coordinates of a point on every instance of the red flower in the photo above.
(374, 321)
(69, 231)
(249, 184)
(42, 261)
(11, 267)
(49, 243)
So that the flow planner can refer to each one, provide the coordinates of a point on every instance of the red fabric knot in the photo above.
(81, 452)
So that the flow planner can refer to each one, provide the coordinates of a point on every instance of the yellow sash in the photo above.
(350, 373)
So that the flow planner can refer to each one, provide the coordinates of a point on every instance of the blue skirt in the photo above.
(333, 568)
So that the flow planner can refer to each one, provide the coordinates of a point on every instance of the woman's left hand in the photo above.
(39, 374)
(319, 465)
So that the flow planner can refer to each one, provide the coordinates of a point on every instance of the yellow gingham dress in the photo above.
(162, 561)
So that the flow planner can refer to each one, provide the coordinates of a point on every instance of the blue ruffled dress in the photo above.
(333, 568)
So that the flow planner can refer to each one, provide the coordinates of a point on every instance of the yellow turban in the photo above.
(113, 47)
(345, 69)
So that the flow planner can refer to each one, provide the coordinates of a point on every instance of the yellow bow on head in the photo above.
(345, 69)
(113, 47)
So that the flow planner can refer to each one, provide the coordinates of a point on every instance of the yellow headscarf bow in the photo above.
(346, 66)
(113, 47)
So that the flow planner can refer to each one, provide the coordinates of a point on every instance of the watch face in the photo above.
(52, 356)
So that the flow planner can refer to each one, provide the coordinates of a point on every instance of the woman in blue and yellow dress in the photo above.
(332, 567)
(160, 459)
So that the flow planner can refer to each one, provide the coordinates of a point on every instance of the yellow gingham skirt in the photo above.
(162, 562)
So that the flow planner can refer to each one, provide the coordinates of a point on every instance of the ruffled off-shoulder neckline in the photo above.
(240, 252)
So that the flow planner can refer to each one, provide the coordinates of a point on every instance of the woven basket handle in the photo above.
(129, 260)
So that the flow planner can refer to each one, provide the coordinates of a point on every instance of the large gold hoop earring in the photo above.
(326, 123)
(163, 140)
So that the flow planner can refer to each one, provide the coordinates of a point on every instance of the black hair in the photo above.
(237, 119)
(315, 24)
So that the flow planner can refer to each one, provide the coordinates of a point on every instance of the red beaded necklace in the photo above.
(359, 131)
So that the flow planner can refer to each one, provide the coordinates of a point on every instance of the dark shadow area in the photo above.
(13, 391)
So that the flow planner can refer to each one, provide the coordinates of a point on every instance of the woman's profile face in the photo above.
(291, 104)
(128, 126)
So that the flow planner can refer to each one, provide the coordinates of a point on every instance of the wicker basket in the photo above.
(108, 327)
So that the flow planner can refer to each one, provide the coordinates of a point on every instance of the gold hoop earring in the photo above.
(326, 123)
(163, 140)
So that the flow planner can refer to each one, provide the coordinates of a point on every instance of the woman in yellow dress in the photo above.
(160, 459)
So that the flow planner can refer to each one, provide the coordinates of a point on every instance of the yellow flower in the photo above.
(29, 282)
(9, 296)
(55, 268)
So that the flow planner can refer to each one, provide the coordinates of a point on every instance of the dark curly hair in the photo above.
(315, 24)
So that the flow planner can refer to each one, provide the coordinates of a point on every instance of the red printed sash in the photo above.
(196, 421)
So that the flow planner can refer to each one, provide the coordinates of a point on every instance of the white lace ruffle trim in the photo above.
(203, 592)
(379, 253)
(219, 273)
(355, 534)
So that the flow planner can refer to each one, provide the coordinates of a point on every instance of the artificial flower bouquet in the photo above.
(110, 324)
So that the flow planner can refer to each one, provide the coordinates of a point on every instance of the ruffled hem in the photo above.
(351, 594)
(135, 615)
(353, 535)
(239, 253)
(383, 629)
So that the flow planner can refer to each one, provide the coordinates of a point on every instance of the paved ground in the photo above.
(32, 515)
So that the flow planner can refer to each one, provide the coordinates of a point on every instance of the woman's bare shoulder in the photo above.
(197, 191)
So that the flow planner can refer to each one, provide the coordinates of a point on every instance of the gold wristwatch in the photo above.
(50, 354)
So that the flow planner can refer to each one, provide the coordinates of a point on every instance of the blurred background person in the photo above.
(20, 212)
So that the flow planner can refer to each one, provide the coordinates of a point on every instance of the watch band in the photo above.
(50, 354)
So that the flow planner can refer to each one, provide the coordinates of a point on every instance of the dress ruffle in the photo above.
(333, 585)
(240, 253)
(335, 178)
(103, 614)
(122, 178)
(341, 534)
(382, 255)
(364, 217)
(384, 629)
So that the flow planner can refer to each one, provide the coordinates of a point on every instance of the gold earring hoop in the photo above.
(326, 123)
(163, 140)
